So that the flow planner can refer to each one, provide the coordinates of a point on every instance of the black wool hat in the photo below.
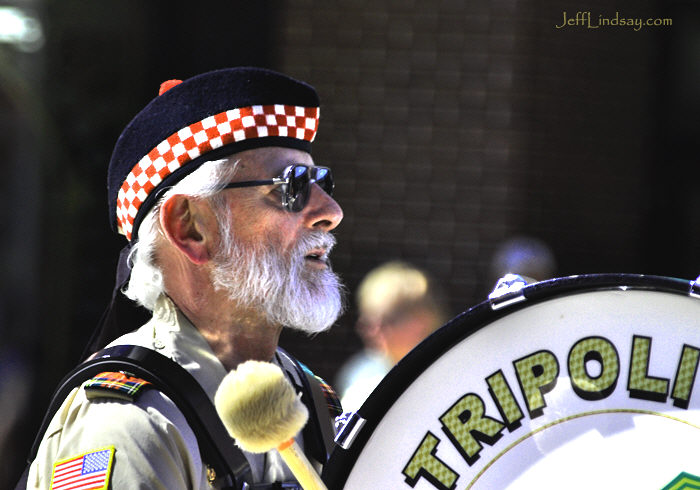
(204, 118)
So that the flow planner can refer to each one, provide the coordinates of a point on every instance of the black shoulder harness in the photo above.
(319, 431)
(229, 463)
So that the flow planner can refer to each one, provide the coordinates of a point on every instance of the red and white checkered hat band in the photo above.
(203, 136)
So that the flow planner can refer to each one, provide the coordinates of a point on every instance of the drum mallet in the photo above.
(261, 411)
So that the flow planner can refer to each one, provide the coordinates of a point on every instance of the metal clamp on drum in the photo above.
(694, 289)
(349, 424)
(508, 290)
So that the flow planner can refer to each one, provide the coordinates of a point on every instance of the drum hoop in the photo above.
(401, 376)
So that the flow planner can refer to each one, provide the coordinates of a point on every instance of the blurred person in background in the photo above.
(526, 256)
(398, 306)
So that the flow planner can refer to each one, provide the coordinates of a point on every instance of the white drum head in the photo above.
(590, 382)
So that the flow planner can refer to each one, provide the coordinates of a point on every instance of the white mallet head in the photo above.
(259, 406)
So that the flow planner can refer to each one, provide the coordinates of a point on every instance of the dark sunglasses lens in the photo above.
(324, 178)
(298, 188)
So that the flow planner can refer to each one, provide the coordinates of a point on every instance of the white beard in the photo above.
(286, 289)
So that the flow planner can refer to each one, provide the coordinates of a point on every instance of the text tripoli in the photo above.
(467, 426)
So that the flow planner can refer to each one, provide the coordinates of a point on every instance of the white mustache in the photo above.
(315, 240)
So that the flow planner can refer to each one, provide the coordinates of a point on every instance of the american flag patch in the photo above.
(89, 471)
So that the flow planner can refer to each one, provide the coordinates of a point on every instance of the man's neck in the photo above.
(235, 333)
(235, 336)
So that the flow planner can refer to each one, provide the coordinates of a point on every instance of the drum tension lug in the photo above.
(348, 425)
(508, 290)
(694, 290)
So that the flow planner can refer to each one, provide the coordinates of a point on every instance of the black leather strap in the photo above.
(319, 431)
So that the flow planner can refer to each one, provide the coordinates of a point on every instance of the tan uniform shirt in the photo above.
(154, 447)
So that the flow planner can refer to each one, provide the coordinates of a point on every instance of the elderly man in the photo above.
(229, 224)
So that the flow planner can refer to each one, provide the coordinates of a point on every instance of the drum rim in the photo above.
(401, 376)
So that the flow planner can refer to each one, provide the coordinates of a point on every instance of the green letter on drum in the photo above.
(594, 349)
(685, 376)
(425, 464)
(467, 426)
(640, 384)
(537, 375)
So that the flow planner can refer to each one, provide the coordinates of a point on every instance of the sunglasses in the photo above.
(296, 181)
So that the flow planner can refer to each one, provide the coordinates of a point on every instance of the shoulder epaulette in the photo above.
(117, 385)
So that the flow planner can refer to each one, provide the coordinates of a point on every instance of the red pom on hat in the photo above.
(167, 85)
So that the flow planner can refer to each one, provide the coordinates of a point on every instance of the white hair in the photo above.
(146, 280)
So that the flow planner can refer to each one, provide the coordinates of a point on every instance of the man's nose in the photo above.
(322, 212)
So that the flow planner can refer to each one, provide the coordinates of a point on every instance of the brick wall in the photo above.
(453, 126)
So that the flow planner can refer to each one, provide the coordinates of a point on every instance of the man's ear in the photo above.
(184, 222)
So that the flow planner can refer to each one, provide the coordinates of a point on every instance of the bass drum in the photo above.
(578, 382)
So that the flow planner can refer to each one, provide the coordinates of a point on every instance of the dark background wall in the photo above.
(451, 126)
